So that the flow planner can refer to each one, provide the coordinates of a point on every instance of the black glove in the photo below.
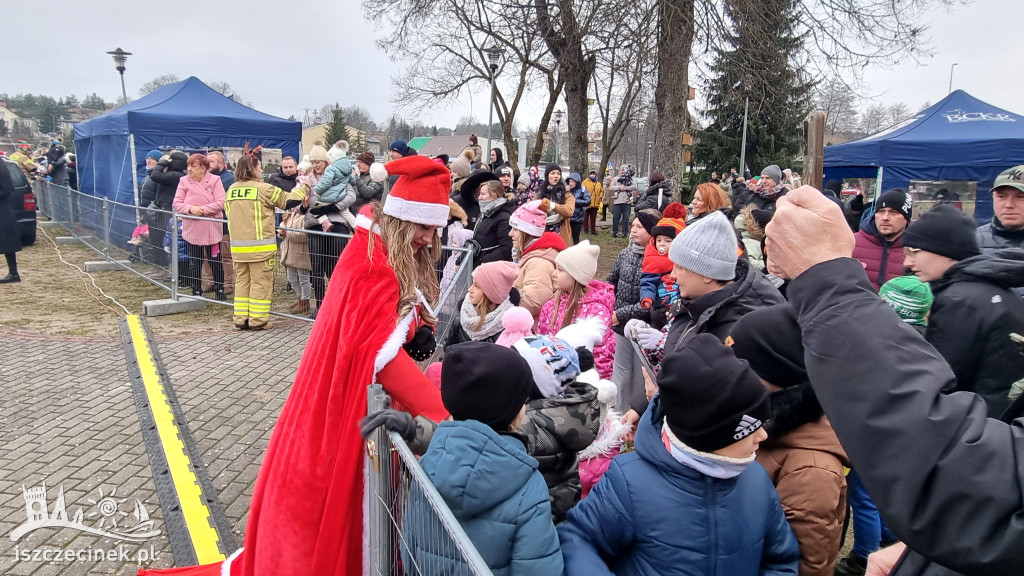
(390, 419)
(473, 246)
(422, 345)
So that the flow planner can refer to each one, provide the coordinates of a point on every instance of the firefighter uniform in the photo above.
(250, 210)
(26, 163)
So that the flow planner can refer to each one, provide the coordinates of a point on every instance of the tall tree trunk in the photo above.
(675, 43)
(554, 90)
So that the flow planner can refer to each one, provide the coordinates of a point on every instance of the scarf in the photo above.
(637, 248)
(488, 207)
(769, 193)
(492, 322)
(713, 465)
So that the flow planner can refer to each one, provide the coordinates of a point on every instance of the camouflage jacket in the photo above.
(556, 429)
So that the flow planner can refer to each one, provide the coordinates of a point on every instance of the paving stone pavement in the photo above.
(67, 418)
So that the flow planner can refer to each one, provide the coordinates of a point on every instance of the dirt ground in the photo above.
(55, 299)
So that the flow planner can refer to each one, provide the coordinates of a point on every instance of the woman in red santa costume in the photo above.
(306, 514)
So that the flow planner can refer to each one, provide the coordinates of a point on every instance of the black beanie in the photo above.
(898, 200)
(944, 230)
(485, 382)
(648, 221)
(551, 167)
(834, 186)
(770, 340)
(711, 398)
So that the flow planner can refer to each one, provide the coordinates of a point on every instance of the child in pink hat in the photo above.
(534, 250)
(488, 299)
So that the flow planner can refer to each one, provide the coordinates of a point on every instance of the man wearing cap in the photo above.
(505, 176)
(879, 241)
(1006, 230)
(974, 311)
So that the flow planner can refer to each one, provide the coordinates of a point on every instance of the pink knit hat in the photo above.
(496, 279)
(529, 218)
(518, 323)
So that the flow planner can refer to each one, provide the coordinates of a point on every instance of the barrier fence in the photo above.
(152, 244)
(412, 530)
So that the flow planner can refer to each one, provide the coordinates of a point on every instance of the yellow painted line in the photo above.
(197, 515)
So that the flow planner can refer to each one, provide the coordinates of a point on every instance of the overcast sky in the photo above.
(287, 56)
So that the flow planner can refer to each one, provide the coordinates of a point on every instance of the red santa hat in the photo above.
(421, 193)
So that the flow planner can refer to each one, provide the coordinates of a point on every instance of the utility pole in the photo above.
(743, 145)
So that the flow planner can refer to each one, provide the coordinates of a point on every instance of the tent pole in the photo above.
(135, 176)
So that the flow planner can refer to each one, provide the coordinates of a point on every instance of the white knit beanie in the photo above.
(580, 261)
(707, 247)
(318, 154)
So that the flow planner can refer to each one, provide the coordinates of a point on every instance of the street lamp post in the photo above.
(955, 64)
(743, 144)
(119, 59)
(493, 57)
(558, 133)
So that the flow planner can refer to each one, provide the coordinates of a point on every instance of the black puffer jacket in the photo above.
(167, 175)
(147, 193)
(491, 233)
(974, 312)
(649, 198)
(714, 313)
(284, 181)
(945, 477)
(556, 429)
(994, 236)
(625, 278)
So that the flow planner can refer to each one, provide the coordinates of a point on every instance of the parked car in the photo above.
(23, 202)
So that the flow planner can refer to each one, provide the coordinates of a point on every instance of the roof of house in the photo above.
(419, 142)
(450, 145)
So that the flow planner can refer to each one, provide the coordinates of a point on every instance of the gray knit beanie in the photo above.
(707, 247)
(773, 172)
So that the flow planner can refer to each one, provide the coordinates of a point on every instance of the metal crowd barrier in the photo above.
(405, 510)
(162, 257)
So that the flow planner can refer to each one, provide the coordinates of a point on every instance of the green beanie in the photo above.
(909, 297)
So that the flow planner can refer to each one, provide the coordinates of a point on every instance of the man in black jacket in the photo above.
(167, 174)
(285, 176)
(946, 477)
(975, 309)
(1006, 229)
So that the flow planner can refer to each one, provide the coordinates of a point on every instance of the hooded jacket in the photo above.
(494, 490)
(971, 319)
(944, 475)
(167, 175)
(491, 232)
(649, 198)
(599, 301)
(650, 514)
(883, 260)
(805, 461)
(596, 191)
(536, 265)
(556, 429)
(59, 162)
(499, 161)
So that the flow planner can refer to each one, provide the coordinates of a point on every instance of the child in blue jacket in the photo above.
(690, 500)
(335, 189)
(479, 464)
(658, 289)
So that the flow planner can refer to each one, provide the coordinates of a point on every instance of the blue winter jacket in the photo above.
(495, 491)
(650, 514)
(336, 185)
(582, 202)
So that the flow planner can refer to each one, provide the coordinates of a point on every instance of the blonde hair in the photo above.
(414, 269)
(483, 308)
(572, 308)
(520, 240)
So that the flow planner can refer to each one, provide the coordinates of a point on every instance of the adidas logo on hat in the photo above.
(748, 425)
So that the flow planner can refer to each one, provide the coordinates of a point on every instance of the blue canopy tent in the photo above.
(187, 115)
(959, 138)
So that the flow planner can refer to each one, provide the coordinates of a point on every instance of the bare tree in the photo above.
(158, 82)
(836, 100)
(622, 70)
(874, 119)
(898, 112)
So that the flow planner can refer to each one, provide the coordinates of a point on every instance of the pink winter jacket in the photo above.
(207, 194)
(599, 300)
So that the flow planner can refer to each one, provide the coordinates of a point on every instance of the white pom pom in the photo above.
(377, 172)
(586, 332)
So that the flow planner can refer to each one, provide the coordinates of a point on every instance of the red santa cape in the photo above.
(306, 514)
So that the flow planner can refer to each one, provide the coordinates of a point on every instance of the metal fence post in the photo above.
(174, 255)
(71, 210)
(106, 229)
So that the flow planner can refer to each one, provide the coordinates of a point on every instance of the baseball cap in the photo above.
(1012, 177)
